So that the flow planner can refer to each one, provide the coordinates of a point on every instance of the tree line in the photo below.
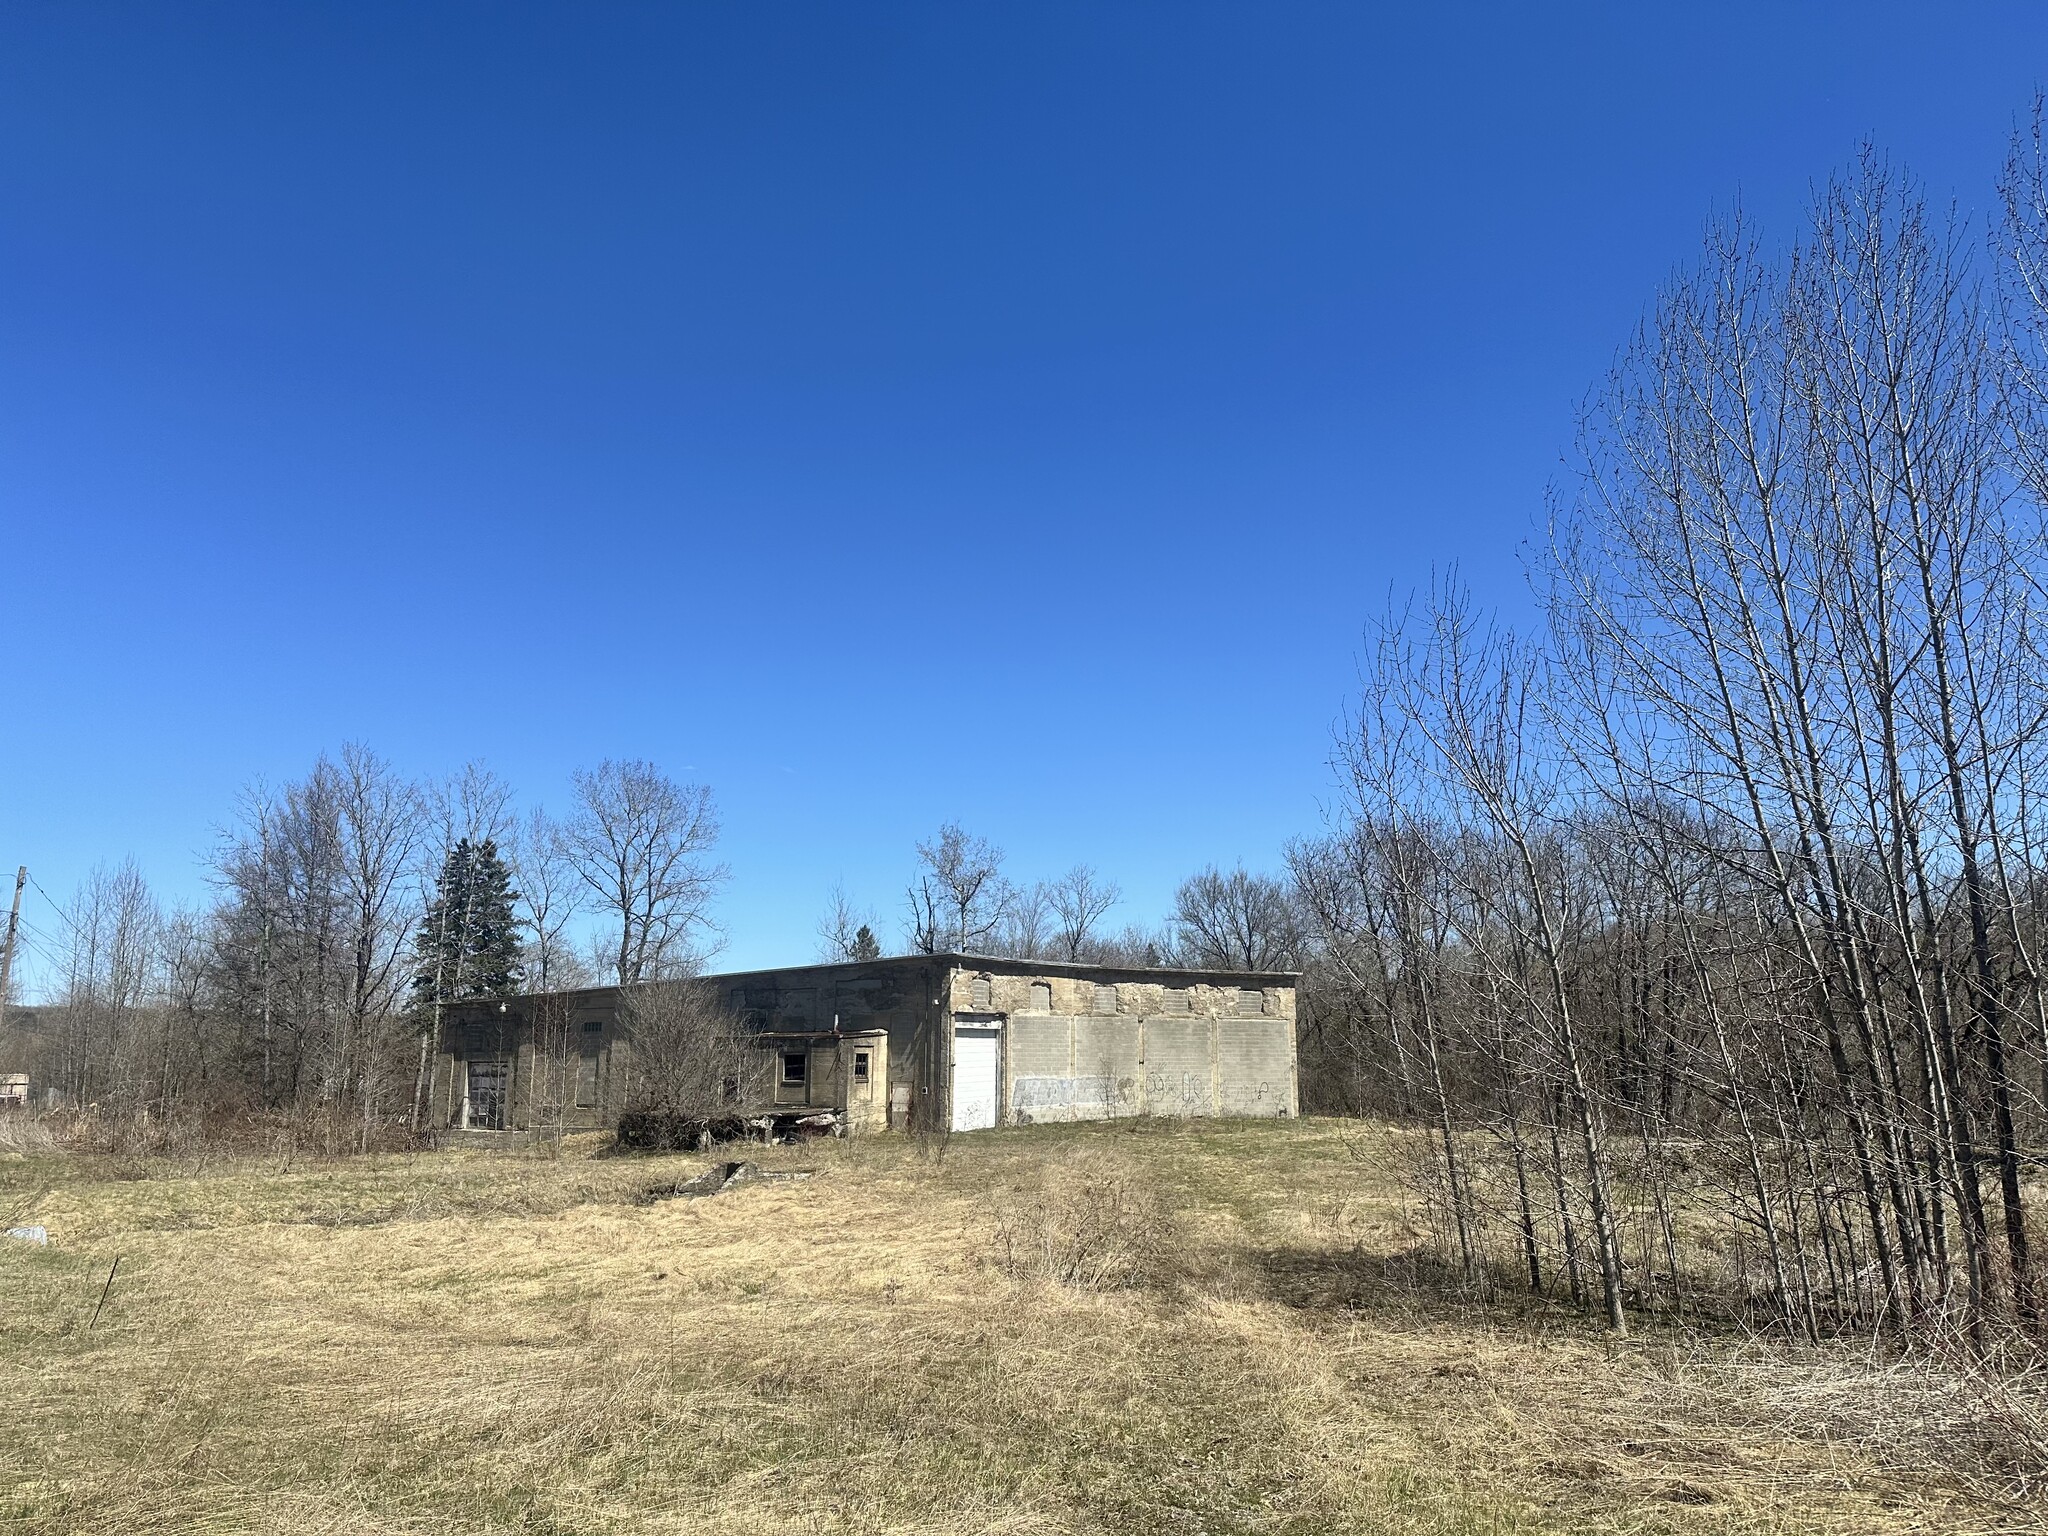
(1725, 887)
(961, 900)
(351, 906)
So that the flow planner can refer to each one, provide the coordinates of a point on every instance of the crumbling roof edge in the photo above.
(961, 958)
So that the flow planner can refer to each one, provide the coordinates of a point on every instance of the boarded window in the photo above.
(1041, 997)
(982, 992)
(586, 1066)
(1176, 1000)
(860, 1066)
(1105, 998)
(795, 1066)
(1251, 1002)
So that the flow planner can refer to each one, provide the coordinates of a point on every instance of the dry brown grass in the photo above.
(467, 1342)
(1096, 1220)
(23, 1134)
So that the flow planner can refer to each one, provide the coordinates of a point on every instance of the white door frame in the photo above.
(990, 1028)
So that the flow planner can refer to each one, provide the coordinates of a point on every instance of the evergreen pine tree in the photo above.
(468, 945)
(864, 945)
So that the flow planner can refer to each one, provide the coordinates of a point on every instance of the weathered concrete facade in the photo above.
(957, 1042)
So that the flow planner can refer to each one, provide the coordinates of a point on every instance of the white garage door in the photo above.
(977, 1074)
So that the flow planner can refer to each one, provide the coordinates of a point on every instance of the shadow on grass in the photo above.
(1418, 1285)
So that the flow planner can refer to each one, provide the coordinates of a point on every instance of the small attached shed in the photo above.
(843, 1072)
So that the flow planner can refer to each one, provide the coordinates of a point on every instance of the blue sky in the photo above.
(882, 414)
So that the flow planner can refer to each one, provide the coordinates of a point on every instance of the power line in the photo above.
(55, 905)
(55, 944)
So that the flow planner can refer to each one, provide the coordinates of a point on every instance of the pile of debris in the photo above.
(664, 1131)
(718, 1179)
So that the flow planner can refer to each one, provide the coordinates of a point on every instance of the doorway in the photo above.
(484, 1106)
(977, 1077)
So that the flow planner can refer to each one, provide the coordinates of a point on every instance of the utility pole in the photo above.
(13, 922)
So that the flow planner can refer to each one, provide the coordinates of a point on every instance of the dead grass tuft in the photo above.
(23, 1134)
(1984, 1424)
(1096, 1221)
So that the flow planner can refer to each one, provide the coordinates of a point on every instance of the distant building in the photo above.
(936, 1041)
(14, 1090)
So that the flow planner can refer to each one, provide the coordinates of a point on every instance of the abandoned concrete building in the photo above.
(949, 1041)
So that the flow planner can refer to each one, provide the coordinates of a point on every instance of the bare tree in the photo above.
(959, 897)
(551, 1079)
(642, 844)
(924, 924)
(2022, 243)
(847, 930)
(551, 894)
(281, 945)
(1475, 697)
(1237, 922)
(690, 1055)
(1025, 927)
(474, 806)
(1079, 899)
(189, 1058)
(382, 824)
(110, 931)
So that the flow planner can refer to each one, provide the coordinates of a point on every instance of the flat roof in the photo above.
(967, 960)
(963, 960)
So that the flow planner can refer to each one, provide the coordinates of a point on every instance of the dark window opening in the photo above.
(860, 1066)
(730, 1090)
(794, 1064)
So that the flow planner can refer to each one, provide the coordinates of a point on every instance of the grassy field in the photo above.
(518, 1342)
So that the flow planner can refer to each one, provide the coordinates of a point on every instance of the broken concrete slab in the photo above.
(720, 1177)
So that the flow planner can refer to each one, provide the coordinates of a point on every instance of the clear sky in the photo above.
(883, 414)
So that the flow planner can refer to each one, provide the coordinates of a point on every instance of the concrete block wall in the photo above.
(1171, 1046)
